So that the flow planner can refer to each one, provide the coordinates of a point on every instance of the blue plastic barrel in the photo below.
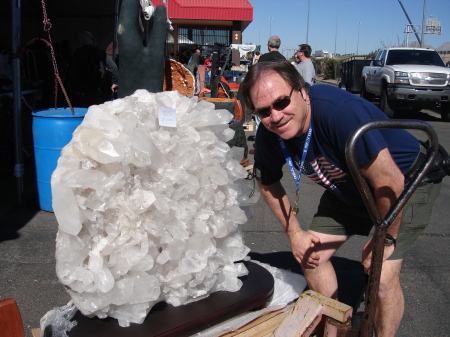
(52, 130)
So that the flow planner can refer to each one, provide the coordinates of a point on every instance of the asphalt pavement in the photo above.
(27, 247)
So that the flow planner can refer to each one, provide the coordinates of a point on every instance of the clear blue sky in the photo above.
(382, 22)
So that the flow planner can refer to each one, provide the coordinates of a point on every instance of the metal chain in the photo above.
(47, 27)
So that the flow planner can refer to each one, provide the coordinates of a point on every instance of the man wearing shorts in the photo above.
(308, 127)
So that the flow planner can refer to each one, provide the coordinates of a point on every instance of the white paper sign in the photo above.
(167, 117)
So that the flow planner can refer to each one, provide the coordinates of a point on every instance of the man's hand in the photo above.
(141, 67)
(303, 244)
(303, 247)
(366, 259)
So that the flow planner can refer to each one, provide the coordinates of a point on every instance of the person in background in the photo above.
(296, 60)
(306, 66)
(194, 60)
(273, 45)
(192, 66)
(208, 64)
(256, 57)
(88, 73)
(308, 127)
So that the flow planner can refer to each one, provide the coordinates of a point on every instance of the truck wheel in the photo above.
(365, 94)
(384, 105)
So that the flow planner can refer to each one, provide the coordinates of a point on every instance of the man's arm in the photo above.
(112, 67)
(388, 183)
(302, 243)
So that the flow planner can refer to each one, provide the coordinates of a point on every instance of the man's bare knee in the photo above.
(390, 277)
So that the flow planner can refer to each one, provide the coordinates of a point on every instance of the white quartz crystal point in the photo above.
(149, 213)
(66, 209)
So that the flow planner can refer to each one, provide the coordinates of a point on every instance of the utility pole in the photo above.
(357, 44)
(409, 20)
(335, 36)
(423, 22)
(270, 26)
(307, 24)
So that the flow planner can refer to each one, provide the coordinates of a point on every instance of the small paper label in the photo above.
(167, 117)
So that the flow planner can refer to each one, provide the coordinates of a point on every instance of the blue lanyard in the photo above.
(290, 163)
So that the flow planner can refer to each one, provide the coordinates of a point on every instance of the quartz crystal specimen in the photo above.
(149, 199)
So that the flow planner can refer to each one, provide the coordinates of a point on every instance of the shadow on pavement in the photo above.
(350, 273)
(12, 222)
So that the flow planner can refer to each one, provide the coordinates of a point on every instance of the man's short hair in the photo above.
(87, 38)
(281, 67)
(305, 49)
(274, 42)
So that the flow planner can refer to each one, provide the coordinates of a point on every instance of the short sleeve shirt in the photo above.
(335, 115)
(307, 71)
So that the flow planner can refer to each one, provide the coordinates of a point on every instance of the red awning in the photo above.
(230, 10)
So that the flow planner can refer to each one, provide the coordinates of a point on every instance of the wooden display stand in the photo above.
(165, 320)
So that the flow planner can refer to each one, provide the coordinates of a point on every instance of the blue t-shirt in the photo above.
(335, 115)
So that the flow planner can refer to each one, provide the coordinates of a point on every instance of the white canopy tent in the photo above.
(244, 48)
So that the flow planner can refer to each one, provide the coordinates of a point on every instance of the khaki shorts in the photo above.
(336, 218)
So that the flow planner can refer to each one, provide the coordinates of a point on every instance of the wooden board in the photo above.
(262, 326)
(36, 332)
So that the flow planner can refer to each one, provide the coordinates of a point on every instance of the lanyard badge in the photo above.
(290, 163)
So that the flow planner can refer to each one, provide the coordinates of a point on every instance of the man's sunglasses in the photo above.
(279, 104)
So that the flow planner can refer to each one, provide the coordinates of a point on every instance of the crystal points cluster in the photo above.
(149, 213)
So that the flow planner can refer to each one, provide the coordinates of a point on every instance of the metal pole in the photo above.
(409, 20)
(423, 23)
(270, 26)
(357, 44)
(307, 24)
(335, 36)
(17, 94)
(381, 224)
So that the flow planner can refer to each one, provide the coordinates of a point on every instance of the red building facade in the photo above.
(208, 22)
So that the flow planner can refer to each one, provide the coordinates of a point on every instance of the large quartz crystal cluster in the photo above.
(147, 212)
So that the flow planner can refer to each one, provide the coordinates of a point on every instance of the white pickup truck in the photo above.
(408, 80)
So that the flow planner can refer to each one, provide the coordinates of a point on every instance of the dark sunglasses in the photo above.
(279, 104)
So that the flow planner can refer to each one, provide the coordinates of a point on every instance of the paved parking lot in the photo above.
(27, 246)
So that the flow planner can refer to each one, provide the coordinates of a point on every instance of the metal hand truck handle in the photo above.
(381, 224)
